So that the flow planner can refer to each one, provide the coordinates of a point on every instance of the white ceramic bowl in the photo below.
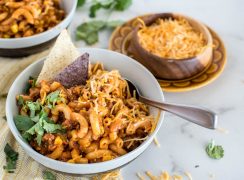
(129, 69)
(16, 47)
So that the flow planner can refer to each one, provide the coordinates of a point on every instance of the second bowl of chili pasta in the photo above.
(28, 27)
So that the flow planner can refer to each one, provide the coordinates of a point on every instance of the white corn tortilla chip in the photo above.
(61, 55)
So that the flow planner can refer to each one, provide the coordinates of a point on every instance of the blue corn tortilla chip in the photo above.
(76, 73)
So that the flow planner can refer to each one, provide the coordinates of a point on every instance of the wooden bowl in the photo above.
(173, 69)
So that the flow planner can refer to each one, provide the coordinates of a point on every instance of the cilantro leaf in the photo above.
(47, 175)
(27, 88)
(60, 131)
(35, 125)
(118, 5)
(81, 3)
(30, 85)
(27, 136)
(35, 118)
(38, 130)
(94, 8)
(11, 158)
(122, 5)
(105, 4)
(52, 98)
(92, 38)
(91, 26)
(20, 101)
(114, 23)
(44, 124)
(34, 81)
(51, 128)
(55, 129)
(40, 133)
(33, 129)
(43, 114)
(33, 106)
(88, 31)
(23, 123)
(214, 151)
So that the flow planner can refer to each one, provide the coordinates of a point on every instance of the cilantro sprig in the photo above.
(11, 158)
(23, 123)
(36, 127)
(20, 101)
(81, 3)
(122, 5)
(52, 98)
(214, 151)
(47, 175)
(88, 31)
(117, 5)
(33, 107)
(97, 5)
(37, 122)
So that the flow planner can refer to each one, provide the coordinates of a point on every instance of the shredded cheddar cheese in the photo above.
(140, 176)
(156, 141)
(188, 175)
(165, 176)
(222, 130)
(171, 38)
(136, 139)
(108, 176)
(150, 175)
(177, 177)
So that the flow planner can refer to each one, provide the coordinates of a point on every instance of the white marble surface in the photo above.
(182, 143)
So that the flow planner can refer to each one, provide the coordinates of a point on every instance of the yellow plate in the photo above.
(120, 42)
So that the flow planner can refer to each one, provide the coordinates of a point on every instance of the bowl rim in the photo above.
(177, 15)
(31, 152)
(42, 34)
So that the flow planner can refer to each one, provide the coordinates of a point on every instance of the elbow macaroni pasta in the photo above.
(58, 150)
(102, 119)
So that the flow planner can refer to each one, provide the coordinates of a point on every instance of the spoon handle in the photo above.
(200, 116)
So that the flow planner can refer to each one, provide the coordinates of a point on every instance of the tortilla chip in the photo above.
(62, 54)
(76, 73)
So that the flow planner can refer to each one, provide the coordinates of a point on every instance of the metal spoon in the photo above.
(197, 115)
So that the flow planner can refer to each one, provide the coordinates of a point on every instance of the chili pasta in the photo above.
(28, 17)
(89, 123)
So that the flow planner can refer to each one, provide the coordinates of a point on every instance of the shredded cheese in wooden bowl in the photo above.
(172, 39)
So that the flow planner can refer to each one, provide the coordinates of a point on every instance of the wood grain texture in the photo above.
(172, 69)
